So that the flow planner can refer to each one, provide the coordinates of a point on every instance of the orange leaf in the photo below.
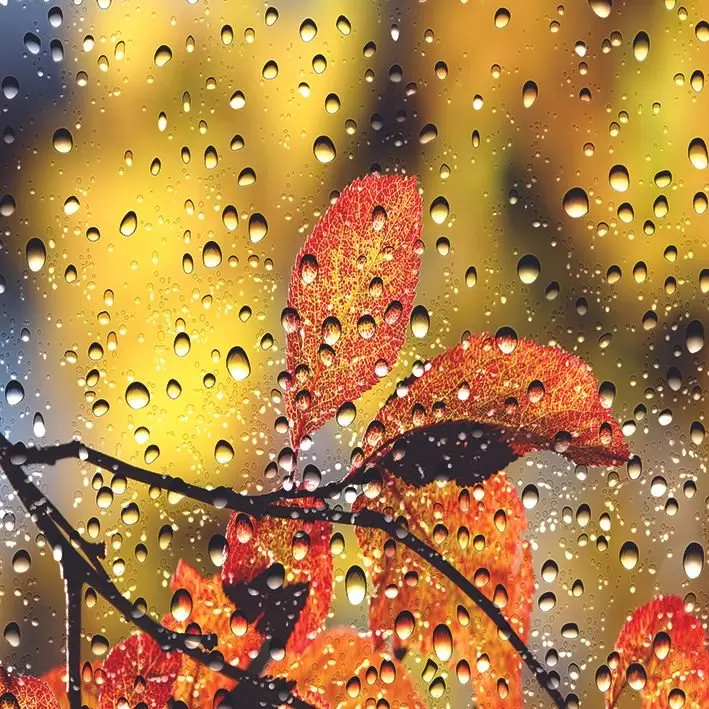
(138, 671)
(342, 669)
(661, 651)
(531, 396)
(211, 612)
(25, 693)
(303, 548)
(480, 531)
(56, 679)
(351, 293)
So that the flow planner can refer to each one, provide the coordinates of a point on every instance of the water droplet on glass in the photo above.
(36, 254)
(693, 560)
(237, 363)
(324, 149)
(576, 202)
(137, 395)
(62, 140)
(355, 585)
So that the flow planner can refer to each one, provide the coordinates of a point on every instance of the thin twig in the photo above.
(260, 506)
(76, 567)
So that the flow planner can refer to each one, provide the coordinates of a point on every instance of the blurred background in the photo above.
(163, 161)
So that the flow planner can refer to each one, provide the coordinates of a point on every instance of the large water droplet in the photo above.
(237, 363)
(576, 202)
(355, 585)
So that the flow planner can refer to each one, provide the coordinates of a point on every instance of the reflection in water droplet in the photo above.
(530, 91)
(137, 395)
(258, 227)
(420, 321)
(36, 254)
(602, 8)
(355, 585)
(641, 46)
(629, 555)
(163, 54)
(223, 452)
(14, 392)
(576, 202)
(237, 363)
(129, 224)
(528, 269)
(697, 153)
(62, 140)
(693, 560)
(324, 149)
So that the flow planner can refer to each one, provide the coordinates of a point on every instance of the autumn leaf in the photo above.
(662, 653)
(303, 548)
(138, 671)
(480, 530)
(25, 693)
(351, 293)
(343, 669)
(201, 606)
(56, 679)
(529, 396)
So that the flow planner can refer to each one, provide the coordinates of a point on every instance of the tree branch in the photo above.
(77, 570)
(262, 506)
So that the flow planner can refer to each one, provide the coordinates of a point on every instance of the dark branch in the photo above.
(262, 506)
(77, 570)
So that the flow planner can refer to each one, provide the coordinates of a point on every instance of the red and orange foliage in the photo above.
(304, 550)
(137, 671)
(344, 669)
(662, 653)
(535, 396)
(480, 531)
(25, 693)
(351, 293)
(208, 610)
(350, 298)
(56, 679)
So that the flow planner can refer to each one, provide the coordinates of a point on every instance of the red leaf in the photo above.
(139, 671)
(343, 670)
(211, 612)
(534, 397)
(661, 651)
(481, 532)
(56, 679)
(304, 550)
(25, 693)
(351, 293)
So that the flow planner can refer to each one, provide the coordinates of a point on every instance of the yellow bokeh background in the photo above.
(447, 63)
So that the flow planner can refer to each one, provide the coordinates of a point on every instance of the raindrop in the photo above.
(36, 254)
(237, 363)
(528, 269)
(62, 140)
(137, 395)
(576, 202)
(530, 91)
(163, 54)
(324, 149)
(693, 560)
(641, 46)
(629, 555)
(420, 321)
(129, 224)
(694, 337)
(355, 585)
(14, 392)
(258, 227)
(697, 153)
